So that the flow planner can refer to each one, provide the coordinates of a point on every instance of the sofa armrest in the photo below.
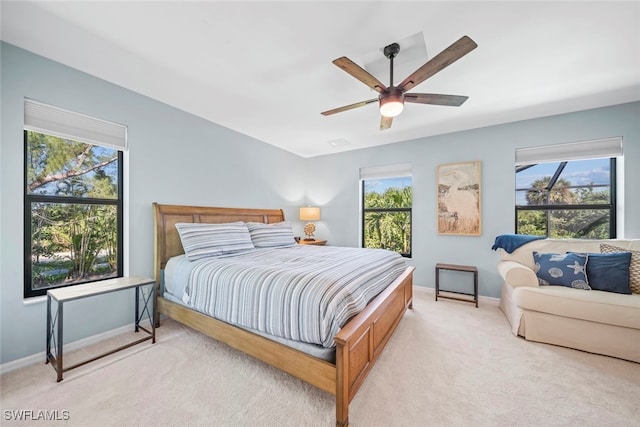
(516, 274)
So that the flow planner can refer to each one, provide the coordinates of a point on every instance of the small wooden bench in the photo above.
(464, 268)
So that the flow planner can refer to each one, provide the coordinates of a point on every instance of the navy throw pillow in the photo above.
(609, 272)
(562, 269)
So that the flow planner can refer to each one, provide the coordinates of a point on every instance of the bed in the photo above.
(358, 343)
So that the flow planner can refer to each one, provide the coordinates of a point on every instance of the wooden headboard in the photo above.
(167, 242)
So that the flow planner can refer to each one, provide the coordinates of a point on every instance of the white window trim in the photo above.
(607, 147)
(386, 171)
(50, 120)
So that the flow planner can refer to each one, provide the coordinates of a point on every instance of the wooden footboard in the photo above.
(358, 344)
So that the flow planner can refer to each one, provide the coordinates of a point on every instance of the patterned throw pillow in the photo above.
(634, 267)
(271, 235)
(201, 240)
(561, 269)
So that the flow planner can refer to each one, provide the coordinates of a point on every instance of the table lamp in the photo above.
(309, 213)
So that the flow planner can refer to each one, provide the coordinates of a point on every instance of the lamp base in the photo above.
(308, 239)
(309, 229)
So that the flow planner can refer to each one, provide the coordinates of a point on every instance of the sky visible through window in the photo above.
(381, 185)
(577, 172)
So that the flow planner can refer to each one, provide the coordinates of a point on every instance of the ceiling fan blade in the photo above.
(349, 107)
(442, 60)
(360, 73)
(435, 99)
(385, 122)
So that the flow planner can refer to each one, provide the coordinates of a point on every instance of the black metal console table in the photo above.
(70, 293)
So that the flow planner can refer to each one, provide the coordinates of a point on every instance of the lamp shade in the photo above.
(309, 213)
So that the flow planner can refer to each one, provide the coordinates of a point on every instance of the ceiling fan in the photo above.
(392, 98)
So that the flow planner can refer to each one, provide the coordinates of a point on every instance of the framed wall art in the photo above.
(459, 196)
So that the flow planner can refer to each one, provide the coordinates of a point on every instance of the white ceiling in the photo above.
(264, 68)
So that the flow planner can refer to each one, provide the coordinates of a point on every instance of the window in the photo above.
(73, 203)
(570, 197)
(386, 208)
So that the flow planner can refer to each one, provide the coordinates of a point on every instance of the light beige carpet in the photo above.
(449, 364)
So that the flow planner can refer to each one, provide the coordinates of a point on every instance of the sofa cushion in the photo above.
(634, 266)
(609, 272)
(523, 256)
(596, 306)
(567, 269)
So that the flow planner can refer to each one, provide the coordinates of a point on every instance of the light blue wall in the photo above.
(338, 191)
(173, 157)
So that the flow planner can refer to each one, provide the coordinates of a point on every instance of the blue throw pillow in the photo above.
(609, 272)
(562, 269)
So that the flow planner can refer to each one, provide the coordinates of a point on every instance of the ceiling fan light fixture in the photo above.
(391, 104)
(391, 99)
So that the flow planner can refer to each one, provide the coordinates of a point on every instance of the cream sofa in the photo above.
(595, 321)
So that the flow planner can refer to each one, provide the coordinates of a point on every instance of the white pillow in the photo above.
(201, 240)
(271, 235)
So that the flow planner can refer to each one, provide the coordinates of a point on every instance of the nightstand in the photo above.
(312, 242)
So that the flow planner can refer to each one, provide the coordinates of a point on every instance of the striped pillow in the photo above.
(271, 235)
(202, 240)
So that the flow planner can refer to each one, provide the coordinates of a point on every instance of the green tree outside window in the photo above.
(387, 214)
(73, 212)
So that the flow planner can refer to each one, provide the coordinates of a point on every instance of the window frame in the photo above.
(365, 210)
(29, 199)
(547, 208)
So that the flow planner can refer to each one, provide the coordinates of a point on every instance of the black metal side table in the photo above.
(70, 293)
(464, 268)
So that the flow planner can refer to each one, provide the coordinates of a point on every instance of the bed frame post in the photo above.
(158, 246)
(342, 386)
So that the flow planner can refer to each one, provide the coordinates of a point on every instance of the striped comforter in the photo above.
(303, 293)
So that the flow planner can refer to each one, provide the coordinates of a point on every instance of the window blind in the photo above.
(597, 148)
(387, 171)
(43, 118)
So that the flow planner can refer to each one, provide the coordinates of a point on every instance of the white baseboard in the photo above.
(427, 290)
(41, 357)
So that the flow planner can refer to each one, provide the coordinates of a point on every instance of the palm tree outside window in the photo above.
(567, 199)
